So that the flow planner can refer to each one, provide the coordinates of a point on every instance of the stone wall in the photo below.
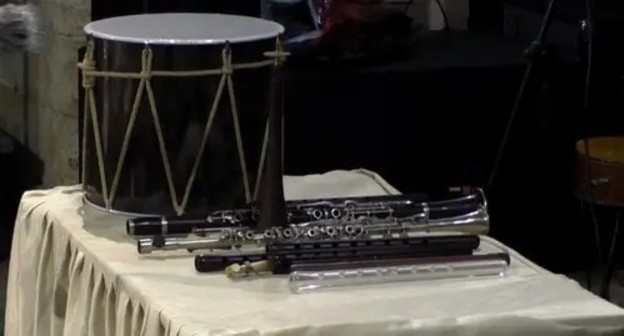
(47, 120)
(12, 95)
(57, 93)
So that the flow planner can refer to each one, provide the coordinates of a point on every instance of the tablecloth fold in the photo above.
(73, 271)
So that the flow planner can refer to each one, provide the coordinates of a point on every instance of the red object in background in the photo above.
(336, 12)
(360, 29)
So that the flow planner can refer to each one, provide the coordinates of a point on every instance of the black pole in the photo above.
(605, 284)
(535, 53)
(272, 204)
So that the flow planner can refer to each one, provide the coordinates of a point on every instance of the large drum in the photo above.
(175, 114)
(600, 168)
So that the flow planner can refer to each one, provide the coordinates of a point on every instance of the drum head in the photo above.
(184, 29)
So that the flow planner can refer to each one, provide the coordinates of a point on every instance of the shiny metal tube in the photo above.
(324, 276)
(149, 245)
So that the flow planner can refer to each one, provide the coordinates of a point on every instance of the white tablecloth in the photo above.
(74, 271)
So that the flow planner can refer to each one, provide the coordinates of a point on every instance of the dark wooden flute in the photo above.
(284, 254)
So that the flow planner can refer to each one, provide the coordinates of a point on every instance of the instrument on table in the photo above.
(299, 211)
(316, 265)
(176, 111)
(396, 218)
(605, 177)
(308, 277)
(349, 272)
(282, 255)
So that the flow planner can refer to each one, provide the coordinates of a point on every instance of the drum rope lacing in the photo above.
(89, 74)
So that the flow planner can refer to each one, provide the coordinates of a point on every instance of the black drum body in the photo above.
(183, 106)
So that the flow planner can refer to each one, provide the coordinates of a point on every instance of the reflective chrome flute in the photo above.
(298, 211)
(468, 214)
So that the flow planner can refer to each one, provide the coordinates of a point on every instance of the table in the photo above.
(74, 271)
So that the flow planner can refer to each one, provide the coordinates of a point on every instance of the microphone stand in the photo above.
(536, 54)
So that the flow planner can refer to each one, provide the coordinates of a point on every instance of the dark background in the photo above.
(435, 119)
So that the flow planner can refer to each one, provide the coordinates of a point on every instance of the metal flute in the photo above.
(302, 211)
(365, 228)
(297, 211)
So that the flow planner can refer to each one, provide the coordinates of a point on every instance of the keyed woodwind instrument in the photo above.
(317, 265)
(281, 255)
(298, 211)
(345, 220)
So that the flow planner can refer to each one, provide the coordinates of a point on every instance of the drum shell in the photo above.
(183, 105)
(605, 178)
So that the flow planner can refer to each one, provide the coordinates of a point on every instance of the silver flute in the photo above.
(297, 211)
(343, 221)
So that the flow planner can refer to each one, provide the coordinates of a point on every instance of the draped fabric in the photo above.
(73, 271)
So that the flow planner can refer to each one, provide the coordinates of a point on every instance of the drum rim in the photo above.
(112, 211)
(91, 32)
(601, 155)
